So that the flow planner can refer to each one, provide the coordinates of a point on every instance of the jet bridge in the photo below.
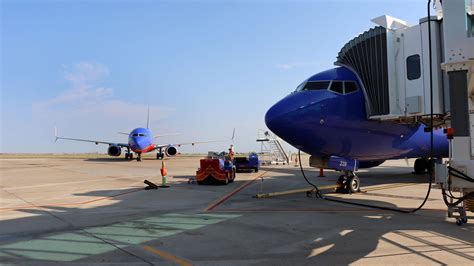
(392, 62)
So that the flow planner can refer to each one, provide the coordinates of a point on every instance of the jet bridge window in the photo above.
(413, 67)
(316, 85)
(336, 86)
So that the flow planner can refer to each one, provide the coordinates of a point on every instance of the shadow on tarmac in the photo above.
(72, 233)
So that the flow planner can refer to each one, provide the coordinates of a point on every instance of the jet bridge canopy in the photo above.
(366, 55)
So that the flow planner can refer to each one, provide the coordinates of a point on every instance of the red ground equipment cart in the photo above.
(216, 168)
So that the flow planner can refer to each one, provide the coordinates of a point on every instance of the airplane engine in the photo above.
(171, 151)
(114, 150)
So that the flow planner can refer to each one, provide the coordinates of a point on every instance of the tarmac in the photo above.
(96, 211)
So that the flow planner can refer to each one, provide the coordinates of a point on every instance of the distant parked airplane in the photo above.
(140, 140)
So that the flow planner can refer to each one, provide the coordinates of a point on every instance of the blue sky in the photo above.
(205, 67)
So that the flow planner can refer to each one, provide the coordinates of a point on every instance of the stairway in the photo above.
(272, 145)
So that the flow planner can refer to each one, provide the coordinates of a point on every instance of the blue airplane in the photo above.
(140, 140)
(325, 117)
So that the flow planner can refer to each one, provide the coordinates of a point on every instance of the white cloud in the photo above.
(89, 109)
(84, 78)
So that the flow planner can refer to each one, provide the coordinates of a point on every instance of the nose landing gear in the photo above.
(348, 183)
(139, 157)
(160, 156)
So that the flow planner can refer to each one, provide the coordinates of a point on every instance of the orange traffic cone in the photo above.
(164, 173)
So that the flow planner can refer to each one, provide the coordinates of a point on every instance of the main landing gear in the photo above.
(348, 183)
(129, 155)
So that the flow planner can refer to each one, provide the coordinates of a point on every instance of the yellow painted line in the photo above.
(389, 186)
(167, 256)
(301, 190)
(292, 191)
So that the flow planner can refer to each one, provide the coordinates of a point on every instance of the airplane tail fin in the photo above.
(55, 134)
(148, 118)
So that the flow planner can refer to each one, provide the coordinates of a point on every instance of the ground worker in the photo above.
(231, 152)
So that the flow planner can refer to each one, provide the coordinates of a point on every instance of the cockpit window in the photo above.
(301, 86)
(316, 85)
(336, 86)
(349, 86)
(135, 135)
(139, 135)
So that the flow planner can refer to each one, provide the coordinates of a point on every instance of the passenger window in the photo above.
(349, 86)
(316, 85)
(413, 67)
(336, 86)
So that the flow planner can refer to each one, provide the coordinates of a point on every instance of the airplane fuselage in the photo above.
(141, 140)
(324, 122)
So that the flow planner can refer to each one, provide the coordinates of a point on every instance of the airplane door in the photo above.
(412, 69)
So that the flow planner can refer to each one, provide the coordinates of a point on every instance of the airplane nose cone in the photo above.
(295, 117)
(273, 117)
(280, 117)
(141, 144)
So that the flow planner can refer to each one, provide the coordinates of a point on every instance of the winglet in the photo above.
(148, 118)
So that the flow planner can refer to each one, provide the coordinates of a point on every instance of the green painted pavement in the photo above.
(92, 241)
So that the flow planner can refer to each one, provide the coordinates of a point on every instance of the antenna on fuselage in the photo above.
(148, 118)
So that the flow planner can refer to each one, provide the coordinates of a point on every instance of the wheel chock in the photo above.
(150, 185)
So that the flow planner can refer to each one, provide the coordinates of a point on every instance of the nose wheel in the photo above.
(160, 156)
(139, 157)
(348, 183)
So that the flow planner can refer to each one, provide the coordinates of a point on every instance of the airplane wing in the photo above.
(97, 142)
(160, 146)
(164, 135)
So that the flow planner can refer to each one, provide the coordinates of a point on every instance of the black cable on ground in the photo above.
(317, 191)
